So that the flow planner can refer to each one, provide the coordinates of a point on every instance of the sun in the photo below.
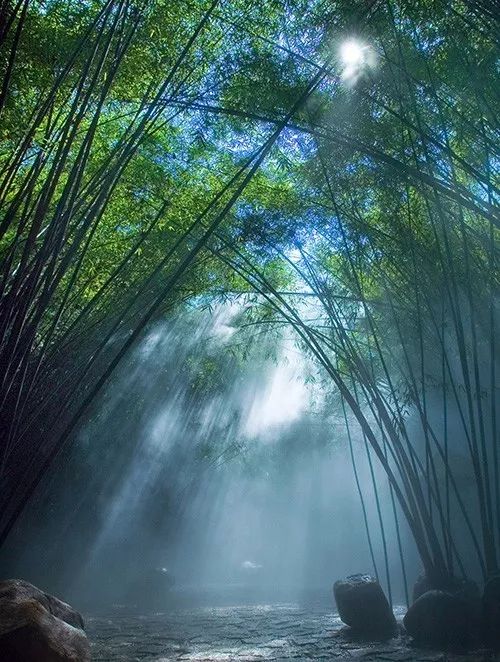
(352, 53)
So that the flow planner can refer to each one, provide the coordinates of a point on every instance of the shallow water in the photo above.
(279, 631)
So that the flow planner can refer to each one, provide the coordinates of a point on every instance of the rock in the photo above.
(18, 589)
(37, 627)
(422, 585)
(469, 591)
(363, 606)
(440, 618)
(465, 588)
(491, 611)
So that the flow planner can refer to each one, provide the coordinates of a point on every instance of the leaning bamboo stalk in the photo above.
(251, 273)
(458, 323)
(172, 281)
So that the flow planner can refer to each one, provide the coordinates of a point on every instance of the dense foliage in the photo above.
(153, 153)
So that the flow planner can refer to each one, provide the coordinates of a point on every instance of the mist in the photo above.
(215, 468)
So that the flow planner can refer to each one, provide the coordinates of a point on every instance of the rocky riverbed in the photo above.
(275, 631)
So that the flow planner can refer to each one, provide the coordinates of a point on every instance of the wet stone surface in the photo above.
(259, 632)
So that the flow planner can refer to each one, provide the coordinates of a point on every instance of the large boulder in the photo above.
(491, 611)
(443, 619)
(363, 606)
(37, 627)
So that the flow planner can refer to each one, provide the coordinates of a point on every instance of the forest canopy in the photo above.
(335, 162)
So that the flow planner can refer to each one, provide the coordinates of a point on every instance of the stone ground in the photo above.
(284, 631)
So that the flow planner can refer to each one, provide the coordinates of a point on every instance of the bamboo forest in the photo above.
(249, 318)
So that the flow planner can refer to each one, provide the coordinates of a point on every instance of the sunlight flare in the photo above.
(355, 57)
(352, 53)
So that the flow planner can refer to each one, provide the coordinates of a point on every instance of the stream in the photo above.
(307, 629)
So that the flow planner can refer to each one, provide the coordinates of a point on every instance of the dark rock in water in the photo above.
(363, 606)
(37, 627)
(491, 611)
(439, 618)
(464, 588)
(422, 585)
(469, 591)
